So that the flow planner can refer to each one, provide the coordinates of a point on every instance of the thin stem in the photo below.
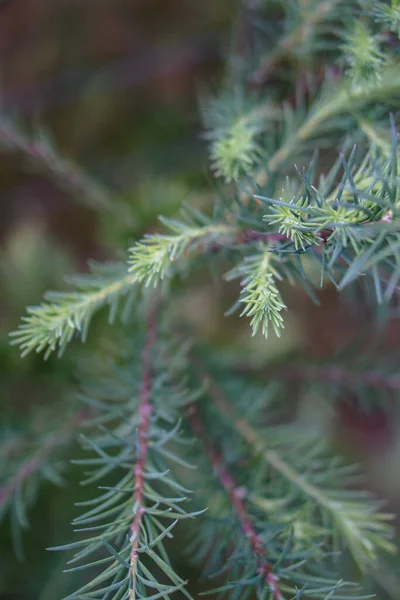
(310, 127)
(66, 175)
(337, 374)
(56, 439)
(342, 376)
(341, 101)
(271, 457)
(145, 411)
(235, 494)
(247, 236)
(13, 447)
(289, 42)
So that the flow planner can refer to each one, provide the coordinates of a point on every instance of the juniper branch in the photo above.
(151, 258)
(260, 295)
(38, 153)
(145, 410)
(298, 502)
(59, 438)
(53, 323)
(338, 374)
(12, 447)
(236, 497)
(141, 401)
(288, 43)
(346, 517)
(341, 101)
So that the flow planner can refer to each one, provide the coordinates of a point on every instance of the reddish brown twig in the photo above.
(341, 376)
(338, 374)
(57, 439)
(236, 495)
(145, 411)
(244, 237)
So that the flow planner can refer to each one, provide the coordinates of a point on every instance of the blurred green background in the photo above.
(115, 85)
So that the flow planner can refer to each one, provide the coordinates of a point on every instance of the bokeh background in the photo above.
(114, 84)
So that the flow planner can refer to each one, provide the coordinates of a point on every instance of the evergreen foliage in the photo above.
(162, 409)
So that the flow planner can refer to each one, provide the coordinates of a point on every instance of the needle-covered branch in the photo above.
(38, 152)
(130, 439)
(235, 494)
(309, 197)
(145, 411)
(39, 461)
(351, 518)
(291, 42)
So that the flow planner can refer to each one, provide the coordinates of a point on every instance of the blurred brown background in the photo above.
(114, 82)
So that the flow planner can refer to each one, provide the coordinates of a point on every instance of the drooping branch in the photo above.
(145, 411)
(44, 158)
(59, 438)
(251, 436)
(235, 494)
(355, 532)
(53, 323)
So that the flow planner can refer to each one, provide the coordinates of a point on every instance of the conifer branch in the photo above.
(388, 14)
(364, 57)
(54, 323)
(151, 258)
(339, 102)
(288, 43)
(260, 296)
(338, 374)
(279, 496)
(59, 438)
(40, 154)
(233, 130)
(352, 521)
(145, 410)
(134, 445)
(235, 494)
(12, 447)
